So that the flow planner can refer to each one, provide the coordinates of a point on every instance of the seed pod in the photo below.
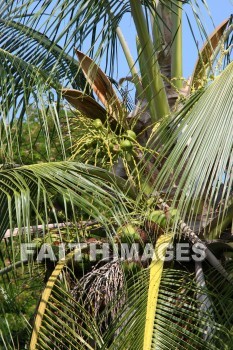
(128, 157)
(97, 123)
(126, 145)
(114, 147)
(131, 134)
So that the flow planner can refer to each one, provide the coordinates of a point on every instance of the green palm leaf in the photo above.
(178, 322)
(59, 311)
(156, 270)
(197, 171)
(37, 49)
(23, 188)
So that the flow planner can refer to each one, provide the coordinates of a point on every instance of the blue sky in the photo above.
(219, 9)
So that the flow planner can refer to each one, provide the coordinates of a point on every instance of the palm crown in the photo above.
(81, 163)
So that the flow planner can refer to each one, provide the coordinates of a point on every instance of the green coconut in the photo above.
(128, 233)
(97, 123)
(131, 134)
(126, 145)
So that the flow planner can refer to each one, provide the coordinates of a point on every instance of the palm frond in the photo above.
(34, 127)
(90, 21)
(178, 322)
(85, 104)
(25, 189)
(84, 20)
(102, 86)
(156, 269)
(59, 317)
(199, 139)
(205, 54)
(22, 85)
(37, 49)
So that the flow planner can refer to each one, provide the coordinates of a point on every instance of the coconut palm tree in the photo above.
(82, 163)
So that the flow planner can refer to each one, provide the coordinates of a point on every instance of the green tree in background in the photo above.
(82, 162)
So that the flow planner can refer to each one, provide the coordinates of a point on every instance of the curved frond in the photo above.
(156, 269)
(85, 104)
(181, 318)
(26, 190)
(85, 20)
(59, 317)
(196, 161)
(101, 85)
(205, 54)
(35, 48)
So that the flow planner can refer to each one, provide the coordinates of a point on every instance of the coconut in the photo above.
(97, 123)
(131, 134)
(126, 145)
(128, 233)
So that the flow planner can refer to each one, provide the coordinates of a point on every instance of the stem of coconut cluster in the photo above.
(203, 298)
(12, 267)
